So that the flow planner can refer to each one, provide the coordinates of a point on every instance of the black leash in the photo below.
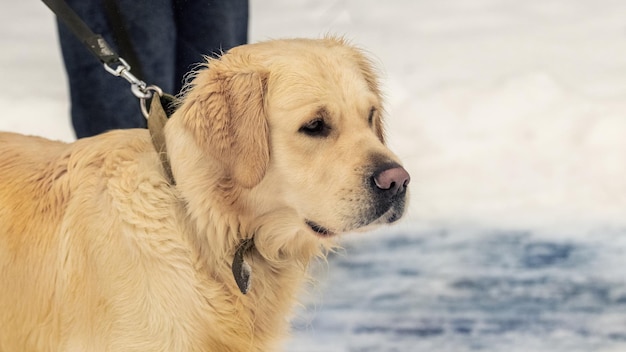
(96, 44)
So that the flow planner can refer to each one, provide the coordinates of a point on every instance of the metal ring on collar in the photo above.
(143, 102)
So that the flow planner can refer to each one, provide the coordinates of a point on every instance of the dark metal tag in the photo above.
(242, 270)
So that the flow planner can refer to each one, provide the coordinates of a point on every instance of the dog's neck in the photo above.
(276, 279)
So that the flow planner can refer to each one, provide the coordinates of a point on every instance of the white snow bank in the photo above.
(525, 151)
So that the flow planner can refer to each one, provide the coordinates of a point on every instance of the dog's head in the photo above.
(291, 127)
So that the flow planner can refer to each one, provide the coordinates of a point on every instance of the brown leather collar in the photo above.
(157, 119)
(156, 122)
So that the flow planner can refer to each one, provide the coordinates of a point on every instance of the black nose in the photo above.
(392, 180)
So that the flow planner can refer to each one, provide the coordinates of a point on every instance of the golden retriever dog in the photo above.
(275, 149)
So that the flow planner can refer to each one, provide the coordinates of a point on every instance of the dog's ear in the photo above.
(224, 109)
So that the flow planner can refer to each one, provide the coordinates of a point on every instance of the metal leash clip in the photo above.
(139, 88)
(143, 102)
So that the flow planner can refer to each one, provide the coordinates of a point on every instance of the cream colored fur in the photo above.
(99, 253)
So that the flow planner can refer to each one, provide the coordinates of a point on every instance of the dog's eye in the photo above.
(316, 128)
(370, 118)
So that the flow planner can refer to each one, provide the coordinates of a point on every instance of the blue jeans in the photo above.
(169, 38)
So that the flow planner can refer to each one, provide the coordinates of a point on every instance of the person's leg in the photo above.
(206, 28)
(151, 26)
(100, 101)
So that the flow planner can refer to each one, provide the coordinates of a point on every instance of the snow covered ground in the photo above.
(510, 116)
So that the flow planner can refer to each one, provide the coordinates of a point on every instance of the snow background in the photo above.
(510, 117)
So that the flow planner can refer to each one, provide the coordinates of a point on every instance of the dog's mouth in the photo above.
(319, 230)
(390, 216)
(378, 217)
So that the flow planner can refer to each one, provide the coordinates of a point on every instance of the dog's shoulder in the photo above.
(116, 164)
